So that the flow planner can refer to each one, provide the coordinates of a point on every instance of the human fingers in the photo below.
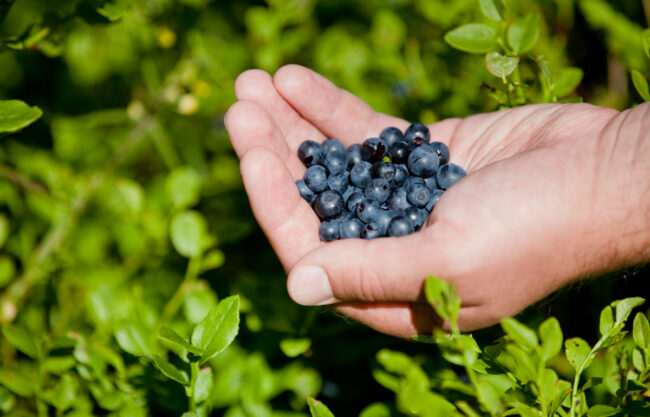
(251, 126)
(257, 86)
(334, 111)
(284, 217)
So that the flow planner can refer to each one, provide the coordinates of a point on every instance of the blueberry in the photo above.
(346, 215)
(419, 195)
(360, 175)
(316, 178)
(352, 201)
(399, 226)
(423, 162)
(448, 175)
(383, 220)
(370, 231)
(385, 170)
(305, 192)
(431, 183)
(373, 150)
(350, 229)
(329, 230)
(333, 145)
(367, 210)
(411, 181)
(310, 153)
(398, 200)
(353, 155)
(335, 162)
(399, 152)
(416, 216)
(442, 150)
(435, 196)
(401, 175)
(351, 190)
(328, 204)
(338, 182)
(416, 135)
(391, 135)
(378, 189)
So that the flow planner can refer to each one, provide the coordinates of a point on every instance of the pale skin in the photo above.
(554, 193)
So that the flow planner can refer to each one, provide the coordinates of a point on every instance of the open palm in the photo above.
(506, 235)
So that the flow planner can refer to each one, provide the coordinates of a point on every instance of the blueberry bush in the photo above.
(134, 280)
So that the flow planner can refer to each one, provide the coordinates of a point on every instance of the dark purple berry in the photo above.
(391, 135)
(378, 189)
(370, 231)
(353, 200)
(416, 135)
(350, 229)
(373, 150)
(398, 200)
(385, 170)
(316, 178)
(399, 226)
(367, 210)
(435, 196)
(419, 195)
(448, 175)
(328, 204)
(305, 192)
(353, 155)
(399, 152)
(310, 153)
(442, 150)
(416, 216)
(335, 162)
(401, 175)
(361, 174)
(423, 162)
(333, 145)
(338, 182)
(329, 230)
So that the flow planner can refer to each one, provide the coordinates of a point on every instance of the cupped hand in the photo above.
(518, 227)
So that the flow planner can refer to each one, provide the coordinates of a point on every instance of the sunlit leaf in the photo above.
(16, 115)
(472, 37)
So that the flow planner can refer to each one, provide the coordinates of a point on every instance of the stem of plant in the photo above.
(576, 379)
(174, 303)
(194, 366)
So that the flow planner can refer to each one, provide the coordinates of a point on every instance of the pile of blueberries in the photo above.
(386, 186)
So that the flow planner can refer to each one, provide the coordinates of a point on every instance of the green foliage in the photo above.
(124, 227)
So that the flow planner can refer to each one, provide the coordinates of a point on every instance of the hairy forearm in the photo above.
(622, 188)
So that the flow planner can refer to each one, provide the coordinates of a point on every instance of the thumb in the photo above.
(386, 269)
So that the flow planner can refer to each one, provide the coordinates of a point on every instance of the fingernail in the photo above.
(310, 286)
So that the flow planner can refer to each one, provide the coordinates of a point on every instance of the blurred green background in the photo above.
(132, 145)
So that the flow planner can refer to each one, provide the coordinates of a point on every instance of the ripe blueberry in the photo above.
(423, 162)
(419, 195)
(361, 174)
(417, 134)
(329, 230)
(391, 135)
(373, 149)
(378, 189)
(442, 150)
(338, 182)
(333, 145)
(310, 153)
(316, 178)
(305, 192)
(350, 229)
(399, 226)
(328, 204)
(448, 175)
(353, 155)
(399, 152)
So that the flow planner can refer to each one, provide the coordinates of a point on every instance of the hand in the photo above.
(531, 216)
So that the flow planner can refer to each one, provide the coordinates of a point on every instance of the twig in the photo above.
(21, 181)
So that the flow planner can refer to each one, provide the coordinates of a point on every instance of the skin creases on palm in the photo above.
(486, 233)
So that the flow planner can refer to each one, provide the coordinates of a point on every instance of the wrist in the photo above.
(621, 203)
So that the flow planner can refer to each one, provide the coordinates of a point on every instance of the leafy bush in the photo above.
(124, 226)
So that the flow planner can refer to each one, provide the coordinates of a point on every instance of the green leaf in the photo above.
(188, 230)
(218, 329)
(501, 65)
(170, 371)
(641, 331)
(492, 9)
(7, 400)
(133, 338)
(524, 33)
(638, 361)
(625, 306)
(641, 85)
(198, 302)
(602, 411)
(442, 297)
(18, 382)
(203, 386)
(295, 347)
(318, 409)
(520, 334)
(58, 364)
(183, 187)
(19, 338)
(551, 335)
(376, 410)
(174, 338)
(7, 270)
(566, 80)
(472, 37)
(16, 115)
(645, 39)
(65, 392)
(577, 352)
(606, 320)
